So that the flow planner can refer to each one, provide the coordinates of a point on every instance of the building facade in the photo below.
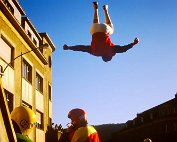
(27, 79)
(158, 123)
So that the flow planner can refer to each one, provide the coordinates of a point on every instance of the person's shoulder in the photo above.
(22, 138)
(91, 128)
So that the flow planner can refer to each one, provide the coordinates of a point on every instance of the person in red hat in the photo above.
(80, 131)
(101, 44)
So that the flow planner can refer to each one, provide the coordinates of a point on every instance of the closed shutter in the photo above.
(5, 51)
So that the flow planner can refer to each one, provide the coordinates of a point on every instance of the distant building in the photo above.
(158, 123)
(105, 130)
(28, 79)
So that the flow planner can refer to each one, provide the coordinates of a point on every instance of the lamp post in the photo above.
(3, 70)
(45, 45)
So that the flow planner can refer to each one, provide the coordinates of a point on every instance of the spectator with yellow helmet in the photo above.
(23, 119)
(147, 140)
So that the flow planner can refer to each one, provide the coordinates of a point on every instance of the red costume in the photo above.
(84, 134)
(101, 45)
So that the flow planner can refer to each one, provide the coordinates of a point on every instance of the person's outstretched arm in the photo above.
(83, 48)
(121, 49)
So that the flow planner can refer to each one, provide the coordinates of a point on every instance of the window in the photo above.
(166, 128)
(49, 92)
(9, 98)
(175, 109)
(29, 34)
(175, 126)
(26, 105)
(50, 61)
(40, 49)
(8, 5)
(1, 69)
(151, 115)
(6, 50)
(12, 57)
(134, 122)
(39, 117)
(39, 83)
(26, 71)
(142, 119)
(34, 41)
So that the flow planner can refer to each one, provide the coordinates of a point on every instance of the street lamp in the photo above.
(45, 45)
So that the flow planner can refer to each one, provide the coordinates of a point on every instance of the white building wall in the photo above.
(5, 51)
(39, 101)
(17, 13)
(27, 94)
(33, 36)
(50, 109)
(3, 134)
(8, 78)
(40, 135)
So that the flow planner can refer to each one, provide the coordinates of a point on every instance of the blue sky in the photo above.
(132, 82)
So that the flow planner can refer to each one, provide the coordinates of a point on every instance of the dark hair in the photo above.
(16, 127)
(106, 58)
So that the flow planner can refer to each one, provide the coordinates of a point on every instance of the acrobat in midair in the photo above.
(101, 44)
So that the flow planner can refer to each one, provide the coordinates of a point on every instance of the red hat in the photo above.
(77, 115)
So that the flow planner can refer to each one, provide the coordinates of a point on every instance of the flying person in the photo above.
(101, 44)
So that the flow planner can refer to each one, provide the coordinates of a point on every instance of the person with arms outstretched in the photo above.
(101, 44)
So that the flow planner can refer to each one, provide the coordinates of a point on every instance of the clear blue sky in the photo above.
(132, 82)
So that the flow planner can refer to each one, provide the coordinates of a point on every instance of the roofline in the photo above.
(21, 31)
(19, 7)
(24, 17)
(156, 107)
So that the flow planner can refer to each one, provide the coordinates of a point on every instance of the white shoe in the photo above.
(105, 7)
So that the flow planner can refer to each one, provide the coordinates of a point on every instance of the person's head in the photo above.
(78, 117)
(25, 118)
(106, 58)
(147, 140)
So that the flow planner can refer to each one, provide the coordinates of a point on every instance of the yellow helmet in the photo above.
(25, 118)
(147, 140)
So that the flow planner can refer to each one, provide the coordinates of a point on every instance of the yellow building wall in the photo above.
(3, 132)
(20, 46)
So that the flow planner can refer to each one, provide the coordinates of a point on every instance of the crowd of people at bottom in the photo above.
(23, 120)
